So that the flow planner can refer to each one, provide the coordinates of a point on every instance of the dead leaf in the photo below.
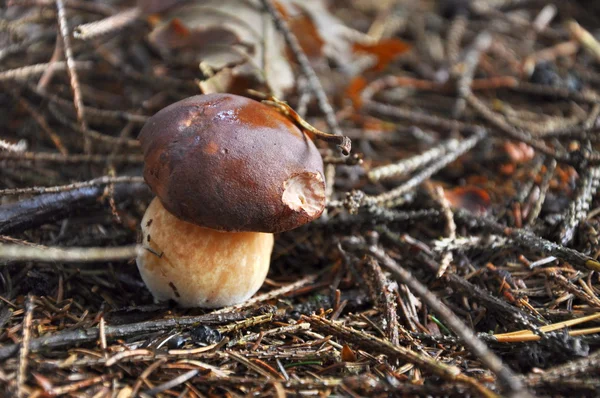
(335, 43)
(225, 34)
(355, 89)
(471, 198)
(305, 30)
(236, 80)
(386, 50)
(347, 354)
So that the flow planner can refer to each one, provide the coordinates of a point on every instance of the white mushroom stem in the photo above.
(200, 267)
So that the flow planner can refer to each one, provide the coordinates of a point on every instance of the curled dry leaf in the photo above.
(237, 44)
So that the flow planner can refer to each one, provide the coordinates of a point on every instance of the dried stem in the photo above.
(71, 67)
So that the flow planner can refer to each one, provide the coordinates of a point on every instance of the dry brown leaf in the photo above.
(238, 43)
(223, 35)
(355, 89)
(347, 354)
(386, 50)
(471, 198)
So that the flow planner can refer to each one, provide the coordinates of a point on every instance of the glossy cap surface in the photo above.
(230, 163)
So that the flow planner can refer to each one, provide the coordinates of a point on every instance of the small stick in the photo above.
(578, 208)
(112, 24)
(57, 55)
(555, 92)
(102, 333)
(108, 140)
(91, 7)
(589, 298)
(101, 115)
(406, 166)
(113, 360)
(392, 81)
(23, 353)
(144, 375)
(564, 49)
(551, 328)
(567, 370)
(467, 69)
(173, 383)
(588, 40)
(77, 98)
(447, 256)
(277, 331)
(42, 123)
(247, 323)
(416, 117)
(305, 97)
(545, 184)
(71, 388)
(104, 180)
(13, 252)
(383, 293)
(35, 211)
(68, 159)
(31, 71)
(456, 32)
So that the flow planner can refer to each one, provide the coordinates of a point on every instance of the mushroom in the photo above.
(228, 172)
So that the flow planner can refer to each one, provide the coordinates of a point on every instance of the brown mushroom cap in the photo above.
(230, 163)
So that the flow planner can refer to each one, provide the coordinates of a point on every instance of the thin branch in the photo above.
(68, 159)
(77, 98)
(104, 180)
(24, 351)
(112, 24)
(32, 71)
(13, 252)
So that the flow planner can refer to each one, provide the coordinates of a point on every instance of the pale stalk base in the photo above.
(200, 267)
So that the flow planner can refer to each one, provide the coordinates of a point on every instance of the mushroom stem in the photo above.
(197, 266)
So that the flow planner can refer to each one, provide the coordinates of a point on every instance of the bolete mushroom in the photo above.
(228, 172)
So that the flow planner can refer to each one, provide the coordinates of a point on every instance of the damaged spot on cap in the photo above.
(305, 192)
